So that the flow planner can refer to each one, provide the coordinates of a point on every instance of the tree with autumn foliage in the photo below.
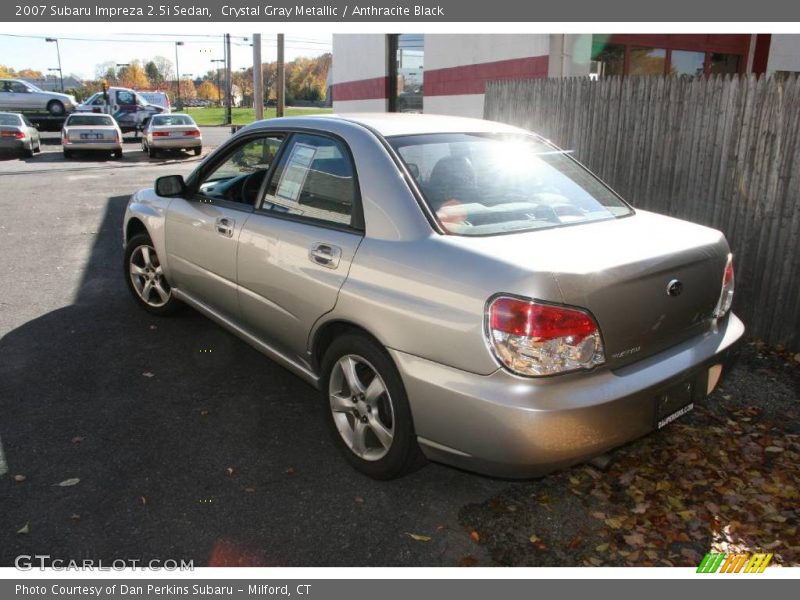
(133, 76)
(208, 91)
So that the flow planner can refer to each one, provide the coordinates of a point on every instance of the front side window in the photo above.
(487, 184)
(240, 176)
(314, 179)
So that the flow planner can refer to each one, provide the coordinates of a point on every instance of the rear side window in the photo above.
(315, 179)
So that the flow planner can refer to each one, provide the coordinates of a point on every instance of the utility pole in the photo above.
(280, 87)
(178, 76)
(258, 78)
(228, 99)
(58, 53)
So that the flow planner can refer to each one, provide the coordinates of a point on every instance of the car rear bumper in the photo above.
(107, 146)
(176, 144)
(510, 426)
(14, 144)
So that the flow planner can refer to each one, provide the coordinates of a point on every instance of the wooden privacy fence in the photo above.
(721, 151)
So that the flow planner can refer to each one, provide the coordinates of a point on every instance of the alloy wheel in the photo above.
(148, 278)
(362, 407)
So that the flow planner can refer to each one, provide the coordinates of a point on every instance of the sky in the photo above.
(81, 52)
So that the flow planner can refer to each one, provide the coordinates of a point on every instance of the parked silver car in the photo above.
(457, 289)
(171, 132)
(91, 132)
(19, 95)
(18, 134)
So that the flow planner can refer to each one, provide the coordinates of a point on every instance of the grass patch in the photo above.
(215, 115)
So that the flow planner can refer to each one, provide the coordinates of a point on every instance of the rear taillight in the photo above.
(160, 133)
(15, 134)
(726, 295)
(535, 339)
(116, 137)
(64, 137)
(192, 132)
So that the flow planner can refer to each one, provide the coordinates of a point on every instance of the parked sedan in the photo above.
(171, 132)
(18, 134)
(91, 132)
(457, 289)
(16, 94)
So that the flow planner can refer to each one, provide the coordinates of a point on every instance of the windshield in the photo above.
(173, 120)
(486, 184)
(90, 120)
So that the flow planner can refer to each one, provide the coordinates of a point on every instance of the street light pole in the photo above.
(177, 76)
(58, 53)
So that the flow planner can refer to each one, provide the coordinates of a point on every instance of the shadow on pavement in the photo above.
(188, 445)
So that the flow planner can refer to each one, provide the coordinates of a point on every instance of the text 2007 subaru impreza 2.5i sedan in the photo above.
(458, 289)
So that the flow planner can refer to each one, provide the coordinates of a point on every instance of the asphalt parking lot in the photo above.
(187, 444)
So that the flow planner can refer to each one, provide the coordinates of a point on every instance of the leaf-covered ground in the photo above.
(726, 477)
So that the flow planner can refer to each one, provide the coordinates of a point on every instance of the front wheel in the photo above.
(369, 412)
(145, 277)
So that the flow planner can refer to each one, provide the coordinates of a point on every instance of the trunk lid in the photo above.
(173, 132)
(620, 270)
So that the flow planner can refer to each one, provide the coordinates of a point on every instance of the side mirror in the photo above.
(170, 185)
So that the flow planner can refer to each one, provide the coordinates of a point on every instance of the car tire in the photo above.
(117, 154)
(68, 154)
(142, 266)
(198, 151)
(152, 152)
(38, 147)
(375, 434)
(55, 108)
(28, 152)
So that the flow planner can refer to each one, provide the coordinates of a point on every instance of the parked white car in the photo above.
(18, 134)
(22, 96)
(91, 132)
(171, 132)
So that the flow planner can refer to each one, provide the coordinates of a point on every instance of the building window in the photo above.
(647, 61)
(686, 63)
(406, 73)
(609, 60)
(724, 64)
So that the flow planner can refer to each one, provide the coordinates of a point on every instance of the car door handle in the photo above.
(326, 255)
(224, 226)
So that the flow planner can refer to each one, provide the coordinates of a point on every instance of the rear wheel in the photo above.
(198, 151)
(145, 277)
(55, 108)
(369, 413)
(117, 154)
(28, 152)
(151, 152)
(68, 153)
(38, 146)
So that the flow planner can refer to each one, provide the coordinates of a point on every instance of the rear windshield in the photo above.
(90, 120)
(12, 120)
(488, 184)
(172, 120)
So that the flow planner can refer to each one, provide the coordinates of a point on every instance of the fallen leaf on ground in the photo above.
(143, 500)
(249, 490)
(25, 529)
(359, 500)
(230, 471)
(77, 439)
(475, 536)
(419, 538)
(75, 517)
(19, 478)
(68, 482)
(148, 374)
(468, 561)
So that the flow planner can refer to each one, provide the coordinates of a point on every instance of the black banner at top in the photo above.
(400, 11)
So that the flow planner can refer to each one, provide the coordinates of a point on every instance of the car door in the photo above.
(25, 97)
(202, 229)
(296, 248)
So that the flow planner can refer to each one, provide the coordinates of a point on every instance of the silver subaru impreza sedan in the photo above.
(459, 290)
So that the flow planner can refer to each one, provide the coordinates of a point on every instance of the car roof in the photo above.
(392, 124)
(15, 114)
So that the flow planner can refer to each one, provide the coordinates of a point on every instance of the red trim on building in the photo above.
(724, 43)
(471, 79)
(362, 89)
(761, 53)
